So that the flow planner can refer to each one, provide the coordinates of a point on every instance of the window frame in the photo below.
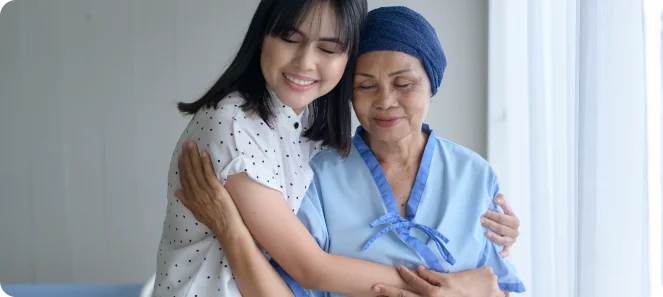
(653, 10)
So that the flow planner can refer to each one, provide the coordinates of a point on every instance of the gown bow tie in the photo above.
(395, 221)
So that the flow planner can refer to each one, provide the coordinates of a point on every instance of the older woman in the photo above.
(403, 197)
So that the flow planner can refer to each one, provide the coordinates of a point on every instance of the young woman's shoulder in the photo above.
(227, 108)
(229, 113)
(237, 141)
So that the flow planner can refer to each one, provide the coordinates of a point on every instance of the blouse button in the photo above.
(296, 125)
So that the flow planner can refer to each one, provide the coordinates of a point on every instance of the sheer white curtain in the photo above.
(568, 138)
(653, 37)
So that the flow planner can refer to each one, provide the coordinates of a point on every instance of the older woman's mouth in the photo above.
(387, 122)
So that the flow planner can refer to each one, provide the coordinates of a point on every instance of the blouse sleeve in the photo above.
(190, 259)
(238, 144)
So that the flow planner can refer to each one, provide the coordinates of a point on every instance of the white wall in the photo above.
(88, 122)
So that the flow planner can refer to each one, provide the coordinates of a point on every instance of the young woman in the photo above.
(285, 95)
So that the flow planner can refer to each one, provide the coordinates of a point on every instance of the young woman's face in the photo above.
(307, 64)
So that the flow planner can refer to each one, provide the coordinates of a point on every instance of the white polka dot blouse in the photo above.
(190, 260)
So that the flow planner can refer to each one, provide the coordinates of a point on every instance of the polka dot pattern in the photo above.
(190, 260)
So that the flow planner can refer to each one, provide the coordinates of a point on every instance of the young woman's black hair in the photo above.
(332, 112)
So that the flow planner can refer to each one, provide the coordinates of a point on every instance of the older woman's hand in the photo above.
(505, 226)
(479, 282)
(204, 195)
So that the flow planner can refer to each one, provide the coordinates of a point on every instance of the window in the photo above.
(653, 10)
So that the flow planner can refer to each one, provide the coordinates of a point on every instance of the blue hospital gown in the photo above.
(351, 211)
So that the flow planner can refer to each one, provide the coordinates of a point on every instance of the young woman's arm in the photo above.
(254, 275)
(241, 158)
(273, 224)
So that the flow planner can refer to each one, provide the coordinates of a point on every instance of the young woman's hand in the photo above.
(204, 195)
(479, 282)
(505, 226)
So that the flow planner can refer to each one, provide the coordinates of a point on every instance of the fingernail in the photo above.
(482, 220)
(376, 289)
(489, 234)
(205, 154)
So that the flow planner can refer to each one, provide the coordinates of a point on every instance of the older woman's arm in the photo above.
(254, 274)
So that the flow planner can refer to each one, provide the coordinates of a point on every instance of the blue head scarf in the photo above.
(401, 29)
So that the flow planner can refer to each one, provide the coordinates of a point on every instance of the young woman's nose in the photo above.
(305, 59)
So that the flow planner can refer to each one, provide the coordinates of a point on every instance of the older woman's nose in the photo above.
(386, 99)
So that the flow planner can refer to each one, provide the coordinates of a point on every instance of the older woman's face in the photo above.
(391, 94)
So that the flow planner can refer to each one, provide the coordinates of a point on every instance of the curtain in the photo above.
(568, 123)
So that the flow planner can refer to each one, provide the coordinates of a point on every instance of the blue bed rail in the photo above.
(72, 290)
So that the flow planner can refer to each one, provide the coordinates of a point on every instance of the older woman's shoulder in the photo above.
(459, 154)
(331, 162)
(467, 165)
(326, 157)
